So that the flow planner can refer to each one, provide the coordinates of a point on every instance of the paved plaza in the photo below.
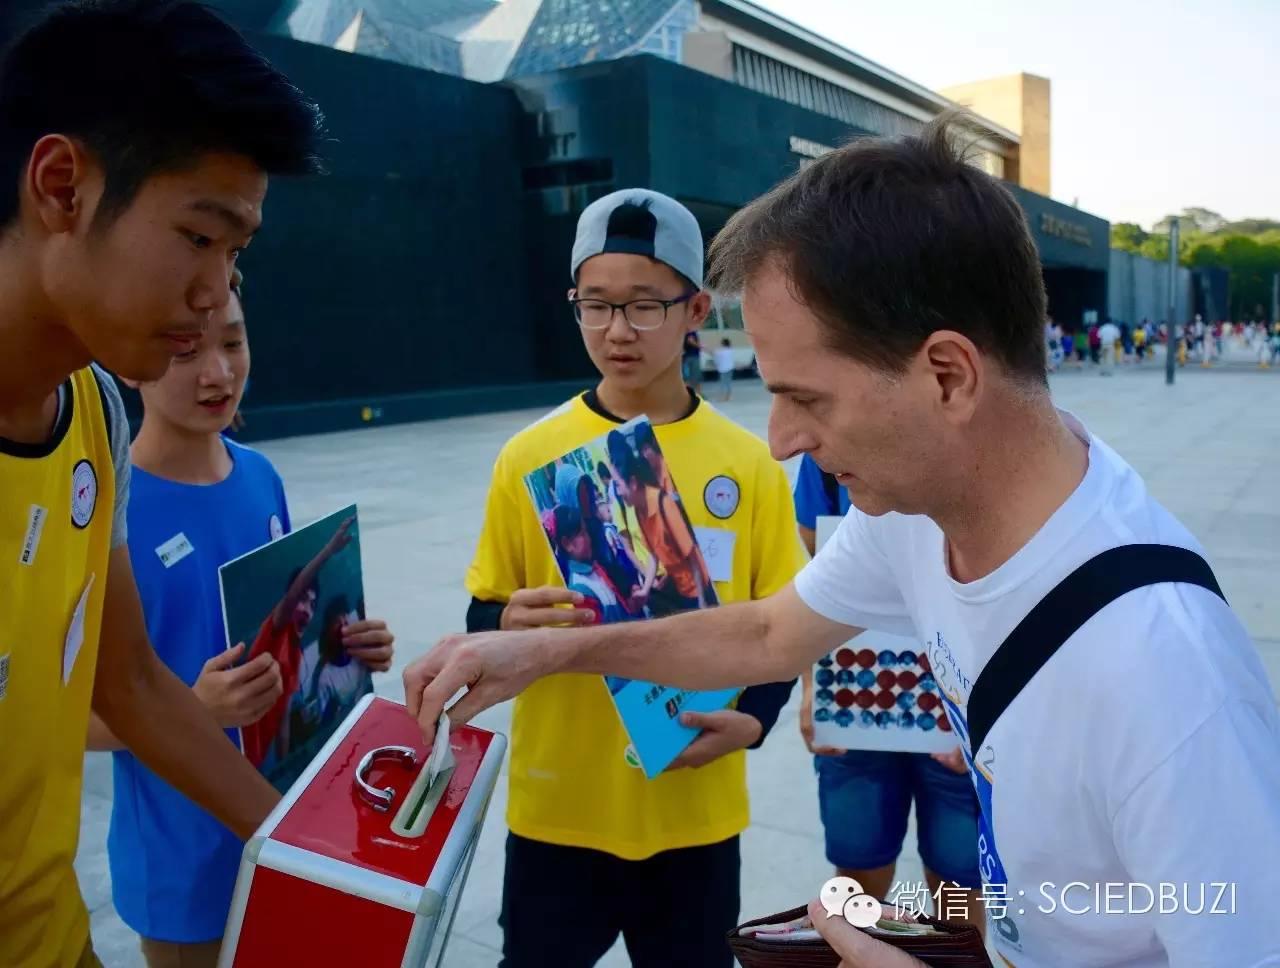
(1209, 448)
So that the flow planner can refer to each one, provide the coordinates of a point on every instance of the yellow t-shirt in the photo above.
(55, 539)
(570, 782)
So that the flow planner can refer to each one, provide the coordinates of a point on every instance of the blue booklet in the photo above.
(622, 539)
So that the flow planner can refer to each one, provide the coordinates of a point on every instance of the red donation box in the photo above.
(364, 860)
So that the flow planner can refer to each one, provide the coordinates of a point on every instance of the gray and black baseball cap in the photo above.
(641, 222)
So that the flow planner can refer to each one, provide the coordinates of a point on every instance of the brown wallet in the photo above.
(959, 946)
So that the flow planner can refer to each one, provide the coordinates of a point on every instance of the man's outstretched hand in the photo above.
(492, 666)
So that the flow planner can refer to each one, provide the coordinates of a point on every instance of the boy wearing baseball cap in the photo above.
(655, 860)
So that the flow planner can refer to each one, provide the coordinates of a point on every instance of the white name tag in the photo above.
(717, 548)
(75, 634)
(174, 550)
(31, 542)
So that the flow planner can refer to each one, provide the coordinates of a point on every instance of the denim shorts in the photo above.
(865, 799)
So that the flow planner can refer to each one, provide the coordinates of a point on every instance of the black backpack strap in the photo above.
(1060, 614)
(832, 489)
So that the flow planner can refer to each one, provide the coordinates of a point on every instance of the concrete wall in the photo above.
(1019, 102)
(245, 14)
(1065, 236)
(1034, 162)
(999, 99)
(248, 14)
(1139, 289)
(401, 271)
(742, 140)
(709, 51)
(747, 31)
(584, 135)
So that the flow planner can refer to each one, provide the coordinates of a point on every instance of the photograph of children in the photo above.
(683, 581)
(618, 528)
(293, 598)
(623, 541)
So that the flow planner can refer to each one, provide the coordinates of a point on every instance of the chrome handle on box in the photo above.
(380, 797)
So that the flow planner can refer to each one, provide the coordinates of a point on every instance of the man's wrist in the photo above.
(560, 652)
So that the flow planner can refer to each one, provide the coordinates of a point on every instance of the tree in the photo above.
(1127, 236)
(1197, 219)
(1251, 226)
(1203, 219)
(1251, 262)
(1249, 249)
(1155, 246)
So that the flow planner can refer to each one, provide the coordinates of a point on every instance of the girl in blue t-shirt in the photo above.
(198, 500)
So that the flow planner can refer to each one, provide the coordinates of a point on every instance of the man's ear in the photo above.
(954, 368)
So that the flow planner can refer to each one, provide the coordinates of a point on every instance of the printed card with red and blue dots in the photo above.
(878, 693)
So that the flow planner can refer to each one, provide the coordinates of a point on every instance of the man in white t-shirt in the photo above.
(1109, 333)
(895, 303)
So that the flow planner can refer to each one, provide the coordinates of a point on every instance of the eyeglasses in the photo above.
(640, 314)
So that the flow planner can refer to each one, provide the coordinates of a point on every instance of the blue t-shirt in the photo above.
(173, 866)
(812, 499)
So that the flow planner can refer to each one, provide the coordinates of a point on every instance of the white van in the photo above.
(725, 322)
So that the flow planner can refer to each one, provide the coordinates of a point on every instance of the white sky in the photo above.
(1155, 105)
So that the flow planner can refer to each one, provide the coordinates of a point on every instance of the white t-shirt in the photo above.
(1146, 752)
(340, 684)
(1109, 333)
(724, 359)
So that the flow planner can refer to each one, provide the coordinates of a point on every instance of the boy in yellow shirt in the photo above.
(136, 138)
(596, 849)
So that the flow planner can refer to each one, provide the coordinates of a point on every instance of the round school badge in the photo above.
(631, 758)
(274, 527)
(721, 496)
(84, 493)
